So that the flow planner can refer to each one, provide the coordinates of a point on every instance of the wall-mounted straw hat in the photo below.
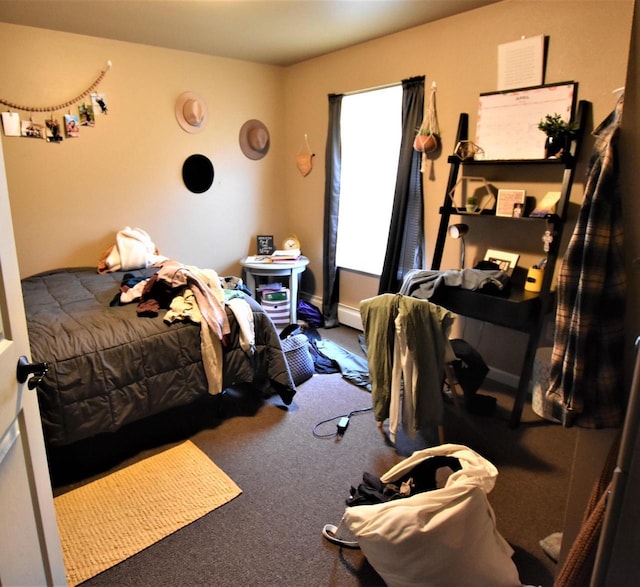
(254, 139)
(191, 112)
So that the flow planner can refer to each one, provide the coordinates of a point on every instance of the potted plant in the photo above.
(427, 137)
(559, 133)
(425, 141)
(471, 203)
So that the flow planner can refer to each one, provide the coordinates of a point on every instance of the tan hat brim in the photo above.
(246, 146)
(180, 112)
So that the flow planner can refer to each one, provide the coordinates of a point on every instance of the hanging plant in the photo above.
(428, 135)
(425, 141)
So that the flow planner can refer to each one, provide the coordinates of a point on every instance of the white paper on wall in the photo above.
(11, 124)
(521, 63)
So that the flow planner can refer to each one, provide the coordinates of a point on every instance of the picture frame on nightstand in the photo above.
(265, 244)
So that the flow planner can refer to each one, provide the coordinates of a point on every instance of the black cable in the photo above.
(342, 424)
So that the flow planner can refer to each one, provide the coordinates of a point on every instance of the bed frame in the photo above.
(108, 367)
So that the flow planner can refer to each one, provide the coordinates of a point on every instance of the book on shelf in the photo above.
(547, 206)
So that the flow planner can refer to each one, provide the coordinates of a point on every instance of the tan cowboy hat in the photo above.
(254, 139)
(191, 112)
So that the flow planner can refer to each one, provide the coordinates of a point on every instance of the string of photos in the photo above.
(85, 107)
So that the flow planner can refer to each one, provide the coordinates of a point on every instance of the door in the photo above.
(30, 552)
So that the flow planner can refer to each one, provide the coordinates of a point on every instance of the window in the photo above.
(371, 131)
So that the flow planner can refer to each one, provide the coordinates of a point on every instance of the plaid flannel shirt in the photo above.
(586, 377)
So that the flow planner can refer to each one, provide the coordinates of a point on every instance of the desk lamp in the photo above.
(458, 231)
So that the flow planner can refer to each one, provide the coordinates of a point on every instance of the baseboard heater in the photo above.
(350, 316)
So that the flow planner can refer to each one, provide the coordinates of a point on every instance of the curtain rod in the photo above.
(381, 87)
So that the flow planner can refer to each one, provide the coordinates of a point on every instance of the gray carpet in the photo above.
(294, 482)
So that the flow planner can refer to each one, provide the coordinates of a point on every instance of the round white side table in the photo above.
(288, 269)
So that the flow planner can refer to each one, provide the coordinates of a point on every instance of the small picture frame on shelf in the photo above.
(264, 244)
(505, 260)
(507, 202)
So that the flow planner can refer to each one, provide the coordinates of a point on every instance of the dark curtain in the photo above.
(587, 383)
(405, 243)
(333, 159)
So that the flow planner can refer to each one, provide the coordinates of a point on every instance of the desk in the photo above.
(291, 270)
(521, 310)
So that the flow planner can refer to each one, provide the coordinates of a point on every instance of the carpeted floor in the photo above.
(294, 482)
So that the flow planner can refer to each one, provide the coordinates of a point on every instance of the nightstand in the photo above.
(289, 269)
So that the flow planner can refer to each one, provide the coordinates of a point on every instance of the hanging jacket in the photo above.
(586, 374)
(408, 344)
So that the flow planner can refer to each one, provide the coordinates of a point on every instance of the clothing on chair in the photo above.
(408, 346)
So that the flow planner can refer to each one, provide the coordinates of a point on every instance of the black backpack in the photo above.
(471, 370)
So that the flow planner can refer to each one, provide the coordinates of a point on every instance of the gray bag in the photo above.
(296, 351)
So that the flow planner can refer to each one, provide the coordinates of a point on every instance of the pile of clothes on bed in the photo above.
(113, 357)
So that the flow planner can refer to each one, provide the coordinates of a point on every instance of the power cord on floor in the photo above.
(341, 426)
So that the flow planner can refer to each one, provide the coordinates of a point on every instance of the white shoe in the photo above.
(330, 532)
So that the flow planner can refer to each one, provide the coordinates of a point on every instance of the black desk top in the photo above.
(519, 310)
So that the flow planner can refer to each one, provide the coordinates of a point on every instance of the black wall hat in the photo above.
(197, 173)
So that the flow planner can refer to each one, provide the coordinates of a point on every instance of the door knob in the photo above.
(24, 369)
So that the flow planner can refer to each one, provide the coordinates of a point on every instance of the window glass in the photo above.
(371, 130)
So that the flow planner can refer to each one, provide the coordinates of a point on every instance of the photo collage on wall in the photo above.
(52, 130)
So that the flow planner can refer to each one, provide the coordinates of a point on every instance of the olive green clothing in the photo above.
(407, 347)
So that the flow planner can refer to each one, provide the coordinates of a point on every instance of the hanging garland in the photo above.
(64, 105)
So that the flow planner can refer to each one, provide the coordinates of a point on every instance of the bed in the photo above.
(108, 366)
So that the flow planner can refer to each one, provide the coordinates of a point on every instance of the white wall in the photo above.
(69, 199)
(588, 43)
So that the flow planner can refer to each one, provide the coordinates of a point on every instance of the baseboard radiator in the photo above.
(350, 316)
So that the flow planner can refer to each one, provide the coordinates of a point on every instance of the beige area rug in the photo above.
(109, 520)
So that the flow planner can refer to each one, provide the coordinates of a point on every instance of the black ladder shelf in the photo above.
(522, 310)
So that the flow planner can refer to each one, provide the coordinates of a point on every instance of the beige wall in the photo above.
(460, 55)
(68, 200)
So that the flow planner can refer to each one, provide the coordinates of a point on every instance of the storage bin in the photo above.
(277, 304)
(281, 295)
(299, 359)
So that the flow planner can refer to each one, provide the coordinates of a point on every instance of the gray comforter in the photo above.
(109, 367)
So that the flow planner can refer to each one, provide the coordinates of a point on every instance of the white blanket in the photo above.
(133, 249)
